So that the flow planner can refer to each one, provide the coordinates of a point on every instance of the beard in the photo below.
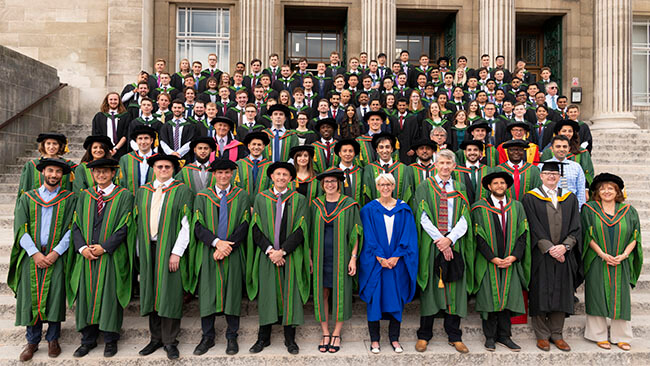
(53, 182)
(202, 160)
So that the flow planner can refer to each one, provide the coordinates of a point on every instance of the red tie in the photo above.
(225, 107)
(334, 113)
(100, 202)
(327, 154)
(516, 178)
(401, 121)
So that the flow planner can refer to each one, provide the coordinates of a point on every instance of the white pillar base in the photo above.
(614, 121)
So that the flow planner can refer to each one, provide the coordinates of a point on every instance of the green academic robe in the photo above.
(161, 290)
(419, 173)
(499, 289)
(31, 178)
(101, 288)
(313, 189)
(353, 186)
(528, 177)
(129, 175)
(607, 288)
(288, 140)
(367, 153)
(490, 156)
(348, 233)
(437, 295)
(403, 180)
(219, 282)
(40, 293)
(244, 177)
(281, 291)
(186, 175)
(320, 152)
(83, 178)
(474, 189)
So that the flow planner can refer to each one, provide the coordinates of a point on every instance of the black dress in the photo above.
(328, 249)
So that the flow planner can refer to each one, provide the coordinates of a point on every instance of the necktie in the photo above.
(334, 113)
(426, 172)
(278, 222)
(158, 80)
(517, 183)
(473, 176)
(385, 167)
(114, 127)
(347, 189)
(553, 195)
(276, 146)
(202, 173)
(443, 215)
(327, 153)
(401, 122)
(225, 108)
(258, 105)
(222, 228)
(177, 137)
(222, 145)
(503, 224)
(196, 82)
(211, 72)
(100, 202)
(564, 183)
(156, 202)
(364, 110)
(255, 170)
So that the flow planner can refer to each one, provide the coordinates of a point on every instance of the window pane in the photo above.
(199, 50)
(640, 72)
(225, 24)
(223, 52)
(313, 45)
(329, 43)
(181, 22)
(425, 46)
(401, 43)
(415, 47)
(204, 23)
(298, 46)
(180, 51)
(640, 34)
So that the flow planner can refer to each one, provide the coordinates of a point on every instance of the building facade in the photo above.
(600, 46)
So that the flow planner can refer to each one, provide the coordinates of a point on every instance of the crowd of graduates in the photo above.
(388, 180)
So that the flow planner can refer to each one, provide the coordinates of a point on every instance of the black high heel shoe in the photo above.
(324, 347)
(332, 347)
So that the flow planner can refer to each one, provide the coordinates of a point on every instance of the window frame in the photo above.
(641, 99)
(184, 38)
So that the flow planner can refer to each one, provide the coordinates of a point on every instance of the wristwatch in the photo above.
(567, 247)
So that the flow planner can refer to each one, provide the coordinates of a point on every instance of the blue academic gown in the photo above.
(386, 291)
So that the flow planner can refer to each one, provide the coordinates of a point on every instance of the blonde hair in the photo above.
(385, 176)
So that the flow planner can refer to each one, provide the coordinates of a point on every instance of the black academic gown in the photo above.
(167, 135)
(406, 134)
(552, 283)
(99, 127)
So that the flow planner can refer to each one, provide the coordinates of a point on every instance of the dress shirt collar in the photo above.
(108, 190)
(157, 183)
(276, 192)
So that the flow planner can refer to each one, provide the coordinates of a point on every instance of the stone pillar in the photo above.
(256, 37)
(147, 35)
(378, 27)
(124, 44)
(497, 29)
(612, 65)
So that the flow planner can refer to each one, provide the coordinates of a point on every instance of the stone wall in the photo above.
(21, 90)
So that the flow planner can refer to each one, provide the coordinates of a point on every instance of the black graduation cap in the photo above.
(424, 142)
(45, 162)
(56, 136)
(515, 143)
(222, 164)
(606, 177)
(104, 163)
(553, 166)
(332, 172)
(162, 157)
(369, 114)
(355, 145)
(566, 122)
(90, 140)
(296, 149)
(143, 130)
(477, 143)
(257, 135)
(383, 135)
(449, 271)
(479, 123)
(281, 165)
(203, 140)
(223, 119)
(326, 121)
(487, 180)
(279, 107)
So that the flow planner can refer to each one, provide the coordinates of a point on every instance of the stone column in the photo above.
(256, 37)
(378, 27)
(612, 65)
(497, 29)
(147, 34)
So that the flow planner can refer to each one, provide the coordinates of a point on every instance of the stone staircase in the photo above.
(611, 149)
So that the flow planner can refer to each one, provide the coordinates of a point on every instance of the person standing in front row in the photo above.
(388, 263)
(163, 213)
(502, 265)
(277, 262)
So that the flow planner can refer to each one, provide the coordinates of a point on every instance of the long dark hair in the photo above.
(350, 128)
(88, 156)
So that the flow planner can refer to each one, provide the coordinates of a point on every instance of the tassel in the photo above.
(66, 149)
(346, 185)
(182, 163)
(396, 144)
(440, 283)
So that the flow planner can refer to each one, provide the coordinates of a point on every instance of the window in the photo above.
(641, 62)
(200, 32)
(314, 45)
(420, 44)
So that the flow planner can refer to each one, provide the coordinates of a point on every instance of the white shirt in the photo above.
(552, 194)
(470, 165)
(144, 166)
(495, 203)
(107, 192)
(183, 149)
(513, 165)
(454, 232)
(183, 238)
(382, 163)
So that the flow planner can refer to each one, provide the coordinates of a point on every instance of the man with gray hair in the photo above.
(552, 95)
(442, 211)
(439, 136)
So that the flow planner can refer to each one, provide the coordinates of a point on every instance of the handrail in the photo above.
(32, 106)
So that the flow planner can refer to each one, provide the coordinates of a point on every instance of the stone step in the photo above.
(353, 352)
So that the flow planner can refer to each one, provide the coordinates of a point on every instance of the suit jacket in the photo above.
(167, 137)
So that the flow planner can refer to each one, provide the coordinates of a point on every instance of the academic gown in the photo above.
(129, 174)
(187, 134)
(31, 178)
(101, 288)
(402, 173)
(475, 190)
(40, 293)
(386, 291)
(190, 175)
(252, 184)
(552, 283)
(406, 135)
(99, 127)
(220, 282)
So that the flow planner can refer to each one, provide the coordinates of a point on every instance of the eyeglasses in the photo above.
(331, 181)
(163, 167)
(383, 185)
(552, 87)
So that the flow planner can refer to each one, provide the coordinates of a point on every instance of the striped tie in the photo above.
(443, 215)
(100, 202)
(177, 137)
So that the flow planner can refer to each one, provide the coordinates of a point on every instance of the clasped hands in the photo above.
(92, 252)
(557, 252)
(223, 248)
(505, 262)
(444, 246)
(45, 261)
(277, 257)
(613, 260)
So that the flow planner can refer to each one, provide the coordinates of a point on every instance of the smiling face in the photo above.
(385, 188)
(281, 178)
(330, 185)
(97, 151)
(607, 192)
(163, 169)
(347, 154)
(223, 177)
(445, 166)
(103, 176)
(498, 187)
(51, 147)
(202, 152)
(384, 150)
(53, 175)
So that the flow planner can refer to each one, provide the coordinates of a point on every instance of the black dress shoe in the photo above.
(490, 345)
(292, 347)
(203, 346)
(110, 349)
(509, 344)
(150, 348)
(233, 347)
(172, 352)
(84, 349)
(259, 346)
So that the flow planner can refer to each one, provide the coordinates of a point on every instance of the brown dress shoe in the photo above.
(53, 348)
(460, 347)
(28, 352)
(421, 345)
(562, 345)
(543, 345)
